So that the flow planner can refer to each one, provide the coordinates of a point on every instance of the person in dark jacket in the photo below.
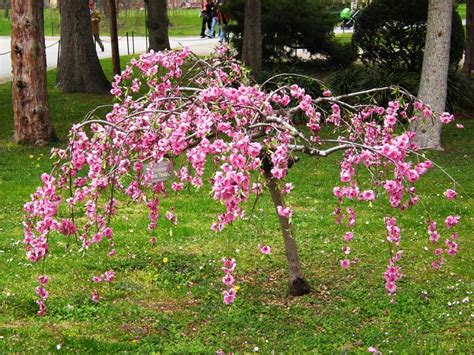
(206, 14)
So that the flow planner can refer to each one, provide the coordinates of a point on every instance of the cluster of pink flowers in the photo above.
(41, 213)
(42, 294)
(215, 115)
(392, 273)
(228, 280)
(451, 246)
(107, 276)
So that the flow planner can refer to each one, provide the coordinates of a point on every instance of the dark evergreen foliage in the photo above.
(288, 25)
(357, 78)
(391, 34)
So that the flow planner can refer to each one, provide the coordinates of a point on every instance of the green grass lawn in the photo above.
(176, 306)
(183, 22)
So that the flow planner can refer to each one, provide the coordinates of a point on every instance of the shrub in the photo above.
(288, 24)
(391, 34)
(359, 78)
(342, 54)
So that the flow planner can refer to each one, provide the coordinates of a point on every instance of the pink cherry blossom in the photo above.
(348, 236)
(264, 249)
(95, 296)
(345, 263)
(228, 280)
(229, 264)
(450, 194)
(42, 308)
(287, 188)
(43, 280)
(451, 221)
(97, 279)
(109, 275)
(446, 118)
(367, 195)
(284, 211)
(229, 296)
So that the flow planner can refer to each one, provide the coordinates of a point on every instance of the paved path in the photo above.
(196, 44)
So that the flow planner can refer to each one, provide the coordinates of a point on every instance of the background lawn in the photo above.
(183, 22)
(176, 306)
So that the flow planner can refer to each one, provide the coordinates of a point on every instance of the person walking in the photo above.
(95, 23)
(214, 19)
(223, 20)
(206, 14)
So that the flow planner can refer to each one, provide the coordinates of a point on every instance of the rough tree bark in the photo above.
(469, 54)
(252, 44)
(114, 37)
(79, 68)
(157, 24)
(29, 94)
(296, 282)
(434, 73)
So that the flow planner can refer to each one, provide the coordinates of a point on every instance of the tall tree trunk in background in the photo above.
(434, 73)
(469, 54)
(252, 45)
(6, 7)
(157, 24)
(29, 93)
(114, 37)
(79, 68)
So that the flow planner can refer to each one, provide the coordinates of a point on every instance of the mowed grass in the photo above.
(175, 304)
(183, 22)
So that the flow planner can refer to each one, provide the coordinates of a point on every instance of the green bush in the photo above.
(290, 24)
(341, 54)
(391, 34)
(359, 78)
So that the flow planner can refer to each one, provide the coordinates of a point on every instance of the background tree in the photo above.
(434, 73)
(79, 68)
(114, 37)
(6, 8)
(157, 24)
(469, 54)
(252, 39)
(29, 94)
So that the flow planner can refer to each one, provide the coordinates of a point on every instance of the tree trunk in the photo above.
(297, 284)
(157, 24)
(434, 73)
(29, 93)
(6, 7)
(252, 44)
(79, 68)
(469, 54)
(114, 37)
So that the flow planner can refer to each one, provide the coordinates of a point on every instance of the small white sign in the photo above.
(162, 171)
